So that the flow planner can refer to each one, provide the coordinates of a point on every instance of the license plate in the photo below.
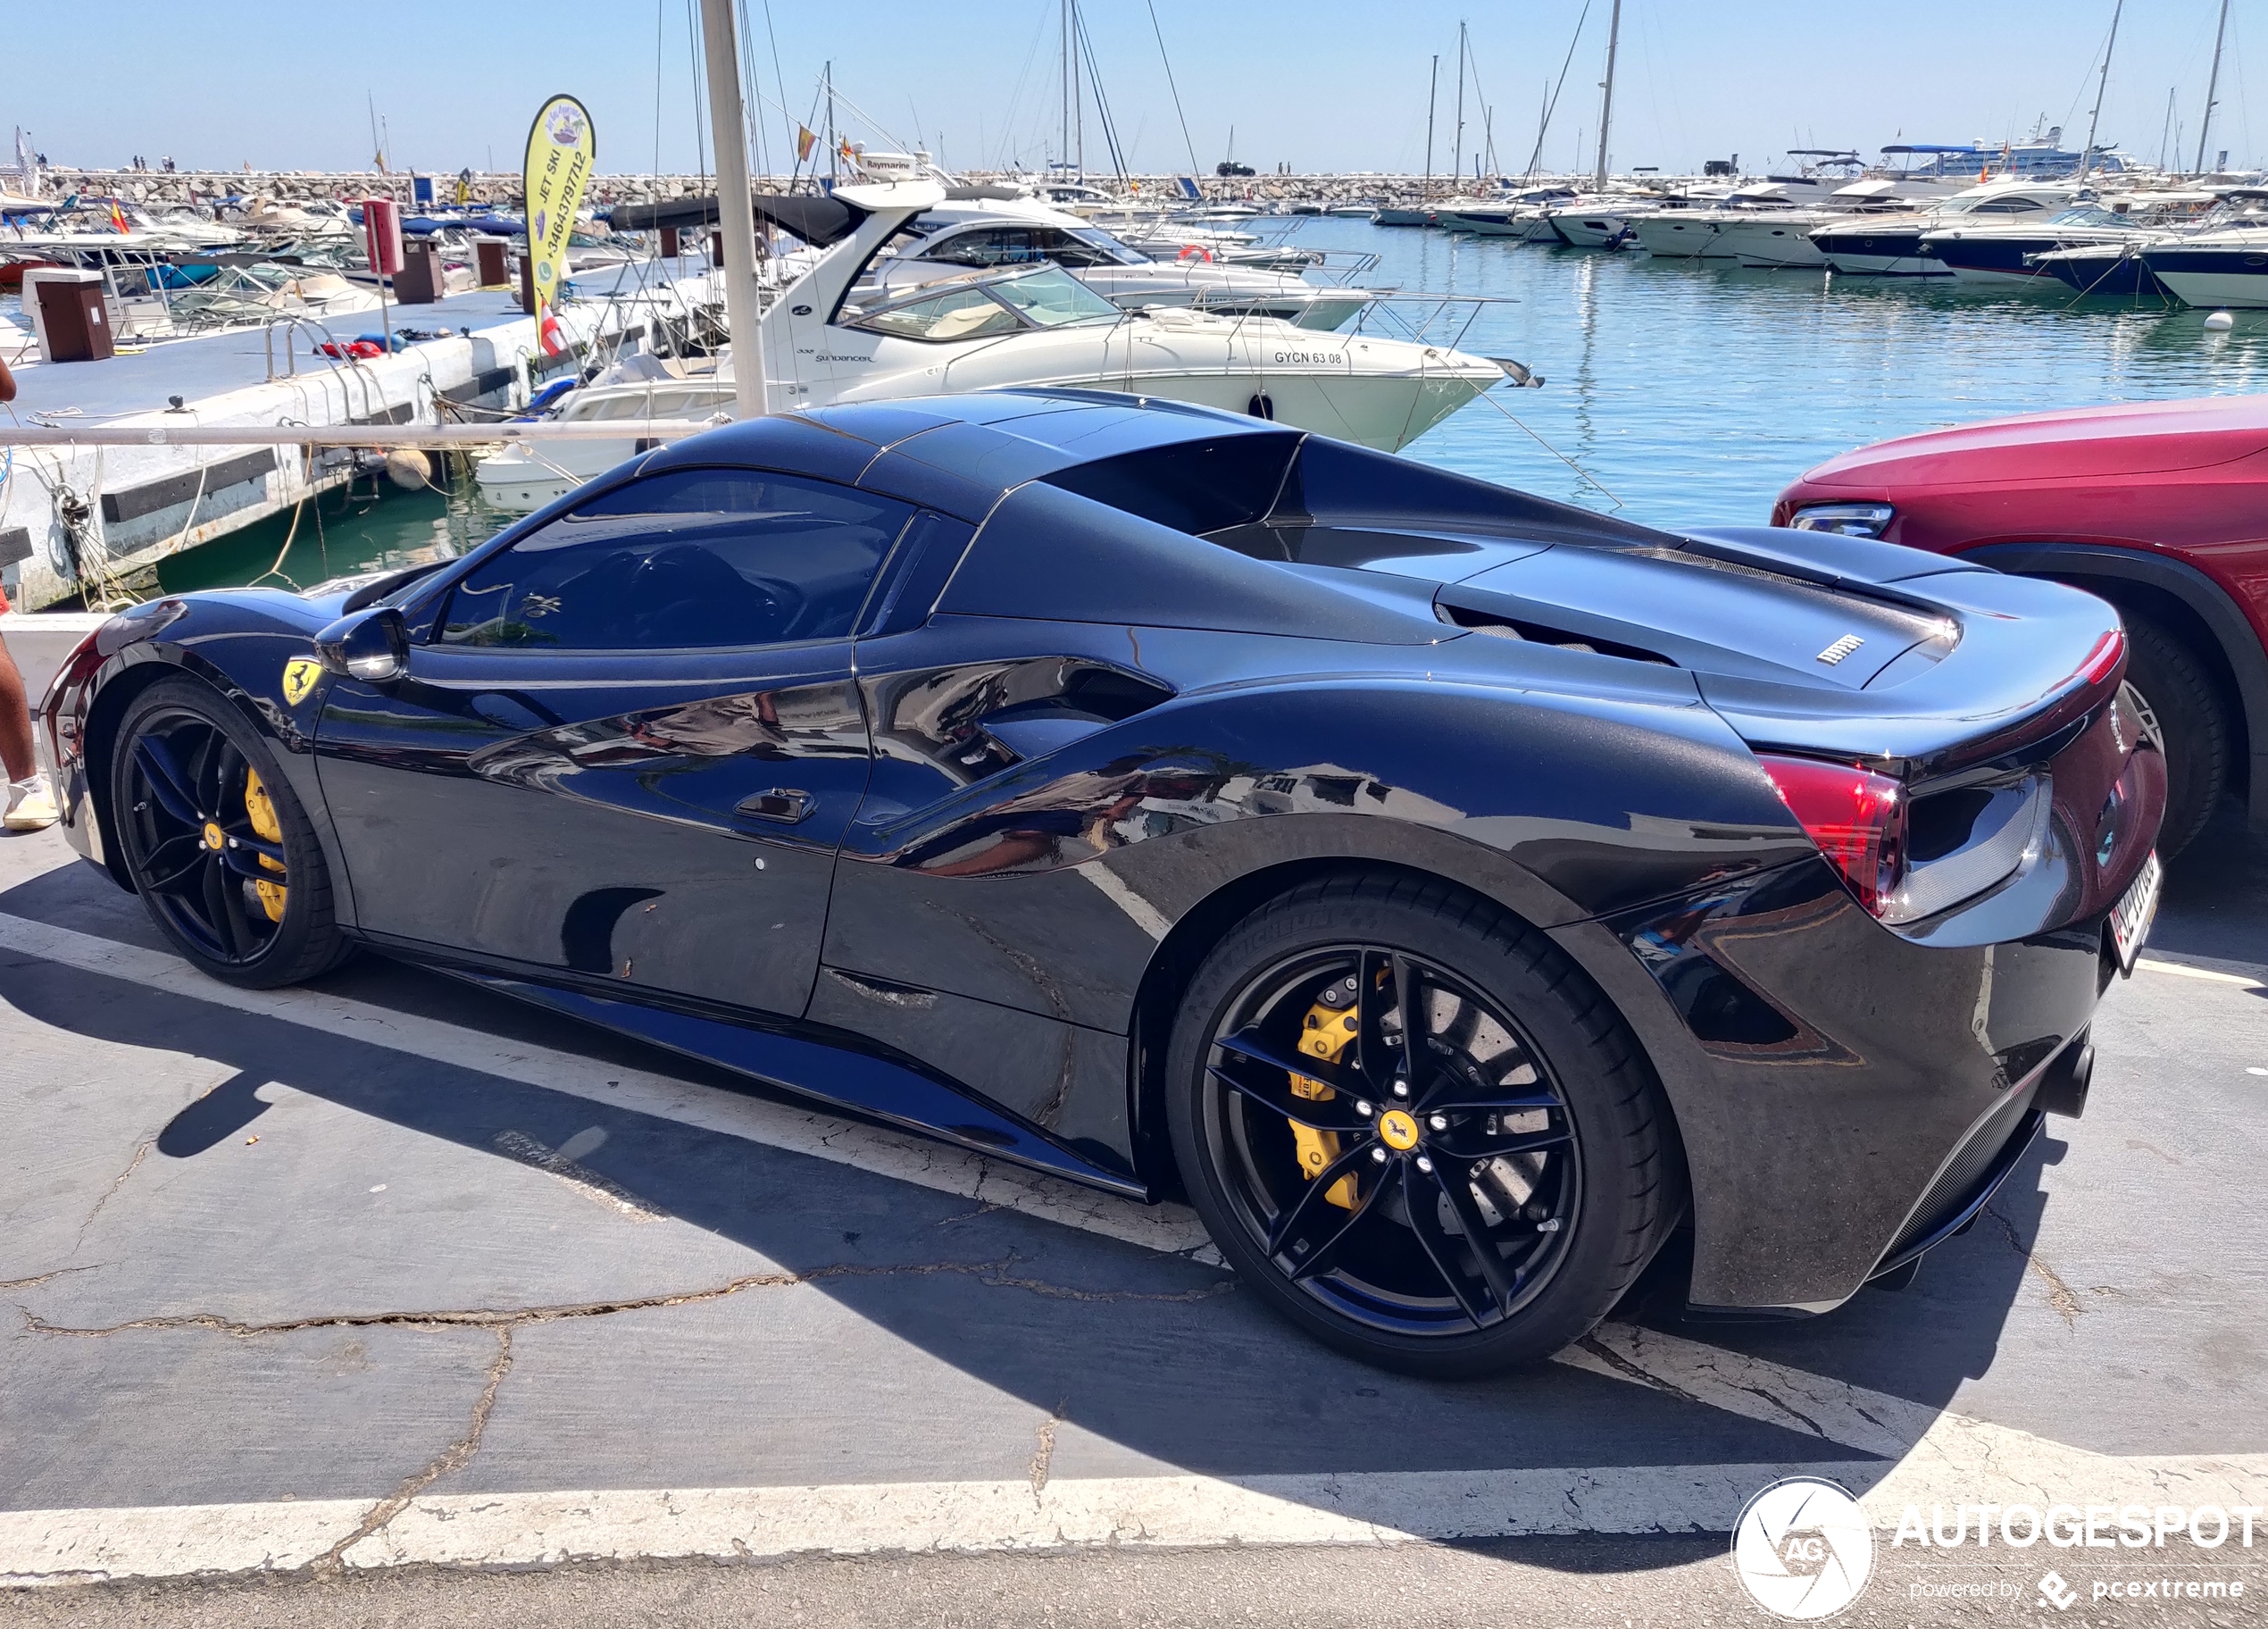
(2131, 916)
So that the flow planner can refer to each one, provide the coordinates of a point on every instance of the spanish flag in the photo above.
(118, 218)
(805, 142)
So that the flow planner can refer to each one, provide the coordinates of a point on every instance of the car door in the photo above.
(628, 744)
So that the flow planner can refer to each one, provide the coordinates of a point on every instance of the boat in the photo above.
(2215, 270)
(1517, 213)
(1781, 240)
(2004, 251)
(2116, 268)
(1009, 327)
(1890, 246)
(524, 477)
(970, 232)
(1692, 230)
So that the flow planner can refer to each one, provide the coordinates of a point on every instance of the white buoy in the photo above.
(408, 468)
(2220, 321)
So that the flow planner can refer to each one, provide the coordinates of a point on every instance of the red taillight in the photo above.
(2103, 661)
(1856, 816)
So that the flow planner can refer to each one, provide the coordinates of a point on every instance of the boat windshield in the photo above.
(1055, 298)
(2087, 214)
(965, 313)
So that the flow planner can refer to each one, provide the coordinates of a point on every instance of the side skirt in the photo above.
(899, 1094)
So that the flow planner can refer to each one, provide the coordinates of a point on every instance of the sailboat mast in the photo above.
(2087, 159)
(1063, 61)
(2211, 85)
(1607, 105)
(832, 175)
(1432, 94)
(735, 212)
(1457, 159)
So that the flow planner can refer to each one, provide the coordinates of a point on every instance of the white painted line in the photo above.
(1171, 1229)
(47, 1547)
(2184, 970)
(1919, 1455)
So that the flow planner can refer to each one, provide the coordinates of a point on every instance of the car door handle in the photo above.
(779, 804)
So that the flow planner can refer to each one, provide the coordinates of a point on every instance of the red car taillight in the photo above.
(1856, 816)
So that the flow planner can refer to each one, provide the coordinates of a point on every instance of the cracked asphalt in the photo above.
(246, 1261)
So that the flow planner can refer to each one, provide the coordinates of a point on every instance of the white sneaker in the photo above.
(31, 806)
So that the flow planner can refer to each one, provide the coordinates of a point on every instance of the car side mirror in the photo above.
(372, 645)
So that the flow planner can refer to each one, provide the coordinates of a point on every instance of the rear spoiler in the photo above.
(2031, 658)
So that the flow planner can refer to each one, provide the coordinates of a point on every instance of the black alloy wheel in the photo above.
(1415, 1128)
(215, 842)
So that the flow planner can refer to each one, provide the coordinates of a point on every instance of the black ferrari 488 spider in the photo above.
(1455, 895)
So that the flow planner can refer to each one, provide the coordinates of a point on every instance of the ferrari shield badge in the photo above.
(300, 674)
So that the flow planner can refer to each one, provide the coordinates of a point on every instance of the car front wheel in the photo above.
(215, 843)
(1415, 1129)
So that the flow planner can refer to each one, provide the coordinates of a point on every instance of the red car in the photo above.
(2161, 508)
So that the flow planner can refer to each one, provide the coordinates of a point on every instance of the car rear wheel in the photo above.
(1415, 1128)
(215, 843)
(2180, 695)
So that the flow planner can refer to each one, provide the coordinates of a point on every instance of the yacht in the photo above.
(1602, 220)
(1512, 214)
(524, 477)
(1694, 231)
(2116, 268)
(2006, 250)
(1403, 214)
(2215, 269)
(1005, 327)
(1890, 246)
(1780, 239)
(976, 232)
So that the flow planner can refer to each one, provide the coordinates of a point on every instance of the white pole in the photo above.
(736, 214)
(2087, 159)
(1607, 104)
(2211, 85)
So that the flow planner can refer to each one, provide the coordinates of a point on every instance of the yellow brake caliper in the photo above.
(262, 810)
(1329, 1031)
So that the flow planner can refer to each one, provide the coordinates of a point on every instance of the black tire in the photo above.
(180, 768)
(2179, 693)
(1586, 1214)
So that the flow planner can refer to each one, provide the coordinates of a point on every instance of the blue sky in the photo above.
(1323, 84)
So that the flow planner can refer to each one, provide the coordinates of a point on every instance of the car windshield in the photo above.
(1055, 298)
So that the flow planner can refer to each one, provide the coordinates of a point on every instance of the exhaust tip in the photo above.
(2063, 1089)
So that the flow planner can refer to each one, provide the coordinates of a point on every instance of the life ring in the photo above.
(1197, 249)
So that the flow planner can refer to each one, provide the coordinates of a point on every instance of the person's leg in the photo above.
(15, 722)
(31, 804)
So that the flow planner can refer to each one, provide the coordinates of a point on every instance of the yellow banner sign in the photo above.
(562, 147)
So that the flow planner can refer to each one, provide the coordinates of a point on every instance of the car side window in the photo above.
(684, 560)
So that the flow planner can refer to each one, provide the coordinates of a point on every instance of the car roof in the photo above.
(958, 454)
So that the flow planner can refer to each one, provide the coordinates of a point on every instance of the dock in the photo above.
(77, 522)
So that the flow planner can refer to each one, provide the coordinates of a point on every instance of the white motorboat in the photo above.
(1890, 246)
(1403, 214)
(1517, 215)
(967, 233)
(523, 478)
(1013, 327)
(1697, 232)
(1599, 220)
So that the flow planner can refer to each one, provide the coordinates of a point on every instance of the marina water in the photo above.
(1690, 390)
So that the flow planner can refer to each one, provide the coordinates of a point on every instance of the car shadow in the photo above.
(1160, 1358)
